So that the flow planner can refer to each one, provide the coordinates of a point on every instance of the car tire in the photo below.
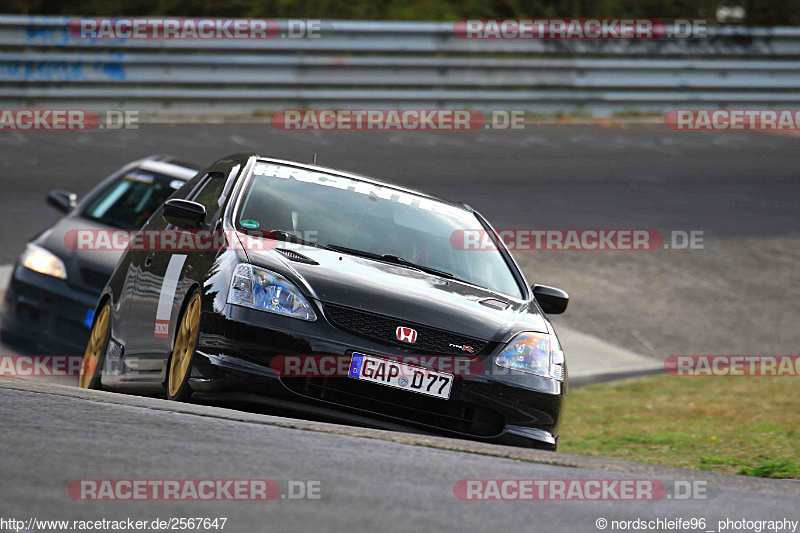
(179, 363)
(95, 354)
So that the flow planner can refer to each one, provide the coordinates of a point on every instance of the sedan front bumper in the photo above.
(47, 312)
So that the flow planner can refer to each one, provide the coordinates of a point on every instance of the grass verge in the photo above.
(741, 425)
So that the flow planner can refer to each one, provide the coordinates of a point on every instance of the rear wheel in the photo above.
(180, 362)
(94, 355)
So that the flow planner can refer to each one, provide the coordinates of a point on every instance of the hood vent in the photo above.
(295, 256)
(495, 304)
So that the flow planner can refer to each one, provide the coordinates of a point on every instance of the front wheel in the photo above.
(93, 357)
(180, 362)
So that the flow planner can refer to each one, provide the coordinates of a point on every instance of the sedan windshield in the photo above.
(128, 202)
(356, 216)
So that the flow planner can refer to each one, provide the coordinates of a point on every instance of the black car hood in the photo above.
(86, 269)
(405, 293)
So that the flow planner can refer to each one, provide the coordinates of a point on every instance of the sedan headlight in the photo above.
(40, 260)
(534, 353)
(258, 288)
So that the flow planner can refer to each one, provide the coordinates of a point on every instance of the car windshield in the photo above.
(129, 201)
(341, 212)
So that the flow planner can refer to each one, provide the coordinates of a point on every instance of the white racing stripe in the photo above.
(167, 295)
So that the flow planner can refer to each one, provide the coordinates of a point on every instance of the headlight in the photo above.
(40, 260)
(255, 287)
(534, 353)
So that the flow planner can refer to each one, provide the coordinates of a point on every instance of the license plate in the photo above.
(400, 375)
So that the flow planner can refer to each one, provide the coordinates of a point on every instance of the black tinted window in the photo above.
(129, 201)
(209, 193)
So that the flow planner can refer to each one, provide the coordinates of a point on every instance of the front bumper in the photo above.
(237, 345)
(47, 312)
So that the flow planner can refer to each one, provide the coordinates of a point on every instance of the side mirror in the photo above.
(553, 301)
(64, 201)
(184, 214)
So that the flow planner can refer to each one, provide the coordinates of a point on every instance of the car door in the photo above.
(134, 290)
(167, 274)
(136, 328)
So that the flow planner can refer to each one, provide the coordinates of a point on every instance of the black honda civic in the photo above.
(316, 291)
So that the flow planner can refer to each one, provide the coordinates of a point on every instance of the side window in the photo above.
(209, 192)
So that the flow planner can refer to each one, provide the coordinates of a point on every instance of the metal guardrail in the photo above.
(360, 64)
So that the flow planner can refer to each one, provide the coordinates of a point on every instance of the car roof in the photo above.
(170, 170)
(171, 159)
(361, 177)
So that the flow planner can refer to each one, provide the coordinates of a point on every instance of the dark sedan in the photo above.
(314, 263)
(50, 299)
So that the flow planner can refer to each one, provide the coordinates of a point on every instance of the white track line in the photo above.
(5, 276)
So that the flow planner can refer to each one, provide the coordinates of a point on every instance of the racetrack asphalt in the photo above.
(370, 480)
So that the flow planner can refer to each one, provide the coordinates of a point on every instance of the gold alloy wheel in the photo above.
(91, 358)
(184, 346)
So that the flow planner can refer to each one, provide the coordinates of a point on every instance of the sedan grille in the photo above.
(383, 328)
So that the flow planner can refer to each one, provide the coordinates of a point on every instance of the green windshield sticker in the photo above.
(250, 224)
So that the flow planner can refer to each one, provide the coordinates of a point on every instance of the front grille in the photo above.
(94, 278)
(403, 405)
(31, 315)
(384, 328)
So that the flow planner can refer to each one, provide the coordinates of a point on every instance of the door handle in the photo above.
(149, 260)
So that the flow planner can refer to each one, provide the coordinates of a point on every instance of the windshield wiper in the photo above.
(394, 259)
(405, 262)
